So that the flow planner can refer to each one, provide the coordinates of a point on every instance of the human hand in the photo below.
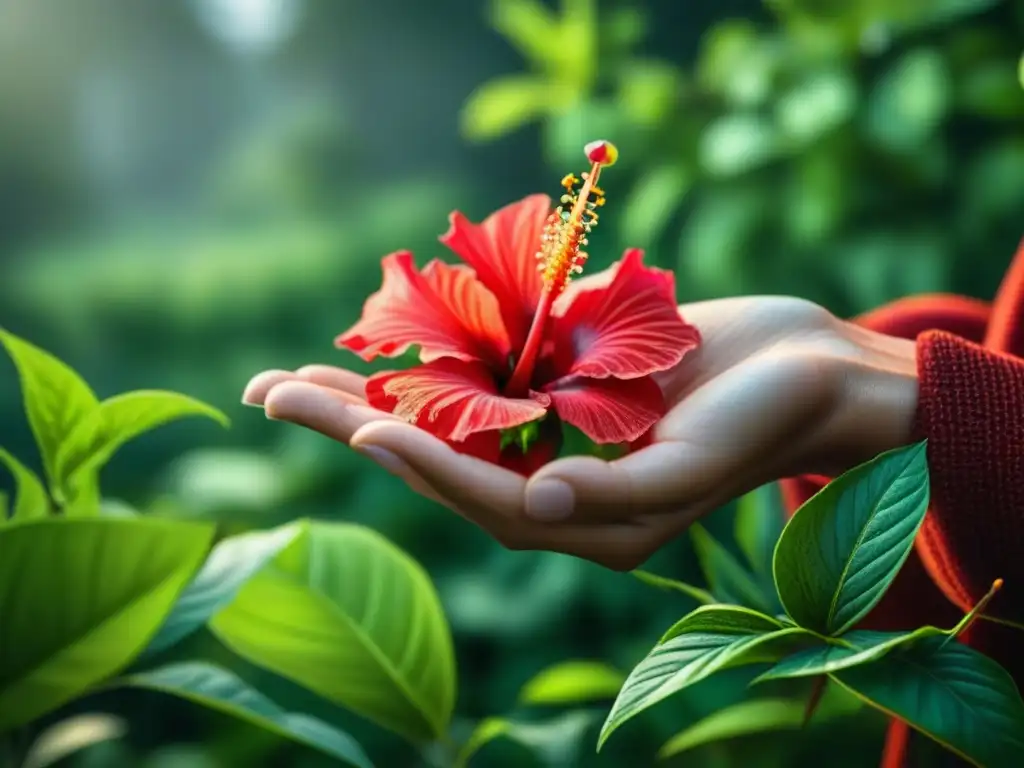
(779, 387)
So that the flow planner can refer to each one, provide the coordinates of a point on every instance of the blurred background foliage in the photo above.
(193, 191)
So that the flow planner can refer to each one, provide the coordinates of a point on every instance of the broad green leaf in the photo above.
(655, 197)
(76, 733)
(742, 719)
(231, 564)
(758, 525)
(122, 418)
(220, 690)
(555, 742)
(56, 398)
(30, 500)
(348, 615)
(709, 640)
(841, 550)
(504, 104)
(953, 694)
(661, 582)
(730, 582)
(573, 682)
(80, 599)
(859, 646)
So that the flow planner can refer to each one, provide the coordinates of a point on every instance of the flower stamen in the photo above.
(560, 254)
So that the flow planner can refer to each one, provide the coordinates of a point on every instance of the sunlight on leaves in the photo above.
(68, 628)
(572, 682)
(67, 737)
(347, 614)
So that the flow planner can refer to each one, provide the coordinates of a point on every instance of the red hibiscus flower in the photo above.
(505, 339)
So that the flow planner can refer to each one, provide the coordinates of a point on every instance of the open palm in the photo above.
(779, 387)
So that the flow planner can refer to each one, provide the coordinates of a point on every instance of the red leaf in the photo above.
(451, 399)
(502, 251)
(622, 322)
(444, 310)
(608, 410)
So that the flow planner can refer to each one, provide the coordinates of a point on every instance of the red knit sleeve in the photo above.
(971, 410)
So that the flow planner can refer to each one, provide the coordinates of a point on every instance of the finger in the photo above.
(660, 478)
(485, 492)
(256, 390)
(338, 416)
(328, 411)
(336, 378)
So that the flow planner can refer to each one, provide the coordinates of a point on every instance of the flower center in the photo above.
(560, 255)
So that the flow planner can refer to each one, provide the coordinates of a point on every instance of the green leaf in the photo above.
(4, 506)
(654, 198)
(661, 582)
(69, 736)
(859, 646)
(555, 742)
(729, 580)
(1020, 71)
(709, 640)
(841, 550)
(953, 694)
(351, 617)
(67, 628)
(231, 564)
(56, 398)
(122, 418)
(572, 682)
(218, 689)
(757, 527)
(31, 500)
(742, 719)
(504, 104)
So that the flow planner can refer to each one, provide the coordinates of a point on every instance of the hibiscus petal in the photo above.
(608, 410)
(502, 251)
(623, 323)
(444, 310)
(452, 399)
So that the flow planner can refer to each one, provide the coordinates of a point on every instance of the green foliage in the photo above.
(709, 640)
(231, 564)
(556, 742)
(383, 650)
(837, 557)
(220, 690)
(85, 596)
(702, 596)
(30, 498)
(957, 696)
(66, 737)
(572, 682)
(77, 434)
(742, 719)
(729, 580)
(833, 562)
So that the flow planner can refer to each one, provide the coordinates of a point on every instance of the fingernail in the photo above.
(384, 457)
(549, 500)
(249, 397)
